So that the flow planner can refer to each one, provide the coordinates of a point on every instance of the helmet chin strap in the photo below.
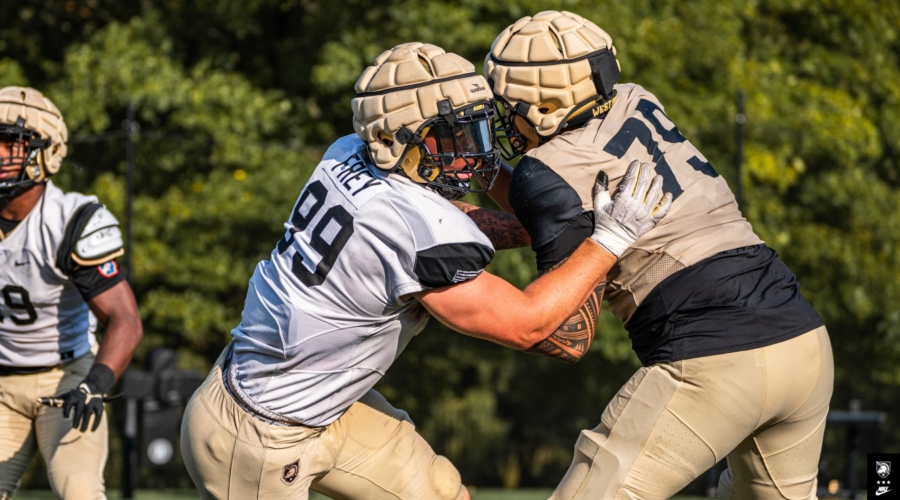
(12, 187)
(447, 189)
(8, 192)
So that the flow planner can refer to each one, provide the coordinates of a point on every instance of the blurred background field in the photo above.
(234, 102)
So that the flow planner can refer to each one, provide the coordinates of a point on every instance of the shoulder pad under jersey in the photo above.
(100, 240)
(91, 238)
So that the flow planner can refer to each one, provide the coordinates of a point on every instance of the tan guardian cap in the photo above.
(406, 89)
(39, 115)
(553, 69)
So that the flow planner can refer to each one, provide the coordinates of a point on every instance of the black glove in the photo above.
(86, 399)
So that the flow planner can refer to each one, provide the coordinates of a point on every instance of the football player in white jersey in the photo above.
(737, 363)
(58, 277)
(371, 250)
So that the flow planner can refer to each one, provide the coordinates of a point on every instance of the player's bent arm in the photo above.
(573, 338)
(504, 230)
(116, 309)
(490, 308)
(638, 206)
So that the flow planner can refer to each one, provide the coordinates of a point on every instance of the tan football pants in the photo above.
(372, 452)
(75, 459)
(764, 409)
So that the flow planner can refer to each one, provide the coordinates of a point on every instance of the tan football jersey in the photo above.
(704, 219)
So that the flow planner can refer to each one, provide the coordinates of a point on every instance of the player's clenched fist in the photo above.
(636, 208)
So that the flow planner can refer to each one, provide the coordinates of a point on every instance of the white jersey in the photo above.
(325, 317)
(43, 318)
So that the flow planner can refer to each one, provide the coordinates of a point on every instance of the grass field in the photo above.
(479, 494)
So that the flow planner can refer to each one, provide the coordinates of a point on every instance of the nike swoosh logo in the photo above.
(879, 493)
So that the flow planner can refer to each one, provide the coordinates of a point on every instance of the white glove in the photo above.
(620, 221)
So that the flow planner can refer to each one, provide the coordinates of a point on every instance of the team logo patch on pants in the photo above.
(290, 472)
(109, 269)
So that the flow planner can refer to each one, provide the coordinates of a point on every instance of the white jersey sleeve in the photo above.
(446, 247)
(329, 312)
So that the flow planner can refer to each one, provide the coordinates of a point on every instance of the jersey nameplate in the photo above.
(353, 179)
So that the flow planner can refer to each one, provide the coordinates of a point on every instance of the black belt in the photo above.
(226, 381)
(24, 370)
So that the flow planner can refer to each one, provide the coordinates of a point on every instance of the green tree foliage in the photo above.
(236, 101)
(212, 146)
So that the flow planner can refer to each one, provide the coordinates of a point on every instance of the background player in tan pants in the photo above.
(75, 459)
(57, 266)
(290, 405)
(736, 362)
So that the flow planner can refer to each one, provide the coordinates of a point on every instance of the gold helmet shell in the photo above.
(553, 69)
(29, 108)
(403, 92)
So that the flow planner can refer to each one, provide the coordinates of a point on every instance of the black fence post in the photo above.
(130, 418)
(131, 128)
(151, 407)
(855, 421)
(129, 462)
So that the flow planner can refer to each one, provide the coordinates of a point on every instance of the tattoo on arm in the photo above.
(571, 340)
(504, 230)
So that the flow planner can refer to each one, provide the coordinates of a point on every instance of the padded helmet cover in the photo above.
(550, 69)
(402, 89)
(41, 116)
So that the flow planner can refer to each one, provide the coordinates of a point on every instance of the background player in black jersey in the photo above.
(736, 363)
(58, 278)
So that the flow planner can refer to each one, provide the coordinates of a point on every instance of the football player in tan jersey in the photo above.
(736, 363)
(57, 267)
